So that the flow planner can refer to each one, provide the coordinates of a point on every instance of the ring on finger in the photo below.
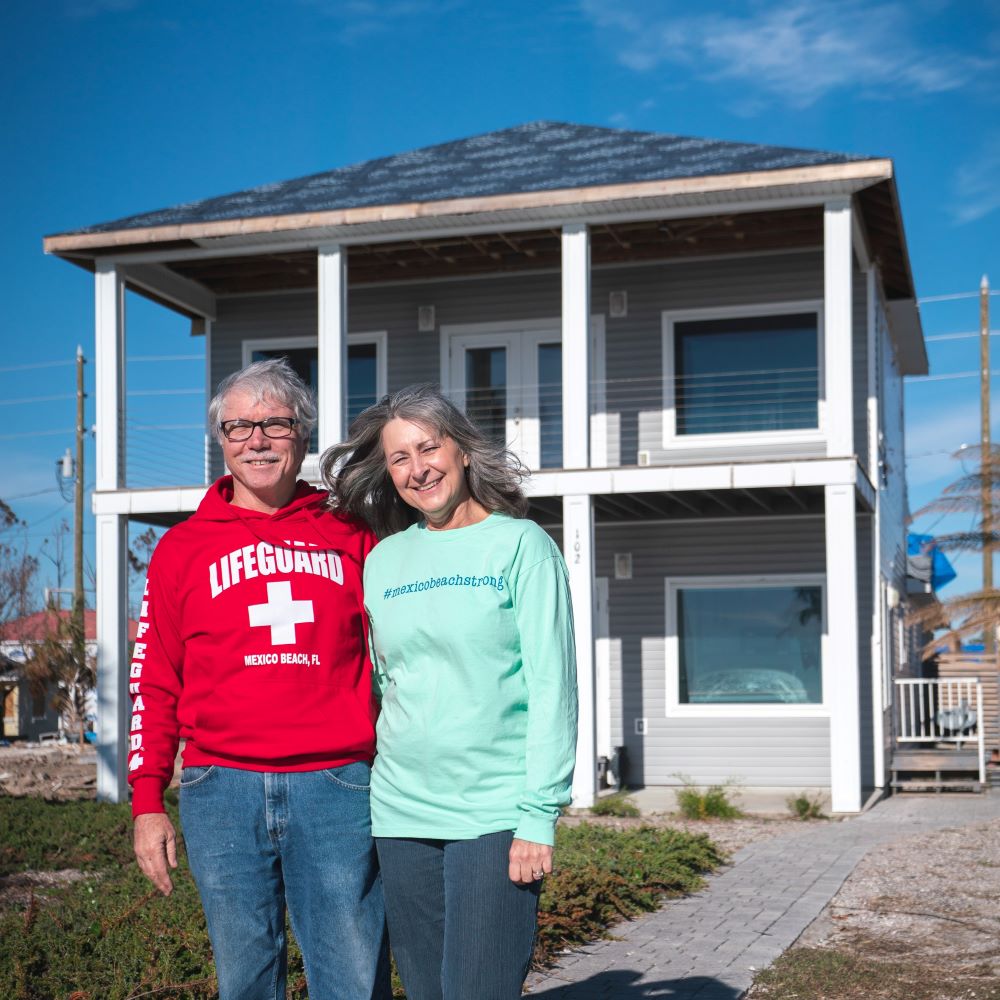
(538, 874)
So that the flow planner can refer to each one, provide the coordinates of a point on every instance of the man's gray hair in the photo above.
(358, 479)
(273, 380)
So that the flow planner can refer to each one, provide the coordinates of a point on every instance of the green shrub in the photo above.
(618, 804)
(806, 806)
(708, 803)
(111, 936)
(605, 874)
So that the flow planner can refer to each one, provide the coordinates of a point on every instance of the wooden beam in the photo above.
(167, 286)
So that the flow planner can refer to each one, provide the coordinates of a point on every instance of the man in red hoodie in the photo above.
(251, 648)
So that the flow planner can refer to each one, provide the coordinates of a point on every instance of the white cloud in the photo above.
(977, 185)
(794, 52)
(360, 19)
(84, 9)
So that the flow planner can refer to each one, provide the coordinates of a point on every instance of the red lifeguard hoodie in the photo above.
(251, 644)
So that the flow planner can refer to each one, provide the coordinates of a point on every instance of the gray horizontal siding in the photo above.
(767, 752)
(634, 358)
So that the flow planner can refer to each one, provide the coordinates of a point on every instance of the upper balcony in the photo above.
(650, 343)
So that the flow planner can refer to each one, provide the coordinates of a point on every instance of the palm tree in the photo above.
(977, 612)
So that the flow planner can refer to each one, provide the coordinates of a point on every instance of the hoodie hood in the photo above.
(308, 504)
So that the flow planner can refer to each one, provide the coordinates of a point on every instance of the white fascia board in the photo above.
(762, 475)
(567, 482)
(510, 220)
(182, 500)
(189, 296)
(659, 479)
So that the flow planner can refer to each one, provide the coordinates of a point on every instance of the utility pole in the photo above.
(989, 637)
(80, 638)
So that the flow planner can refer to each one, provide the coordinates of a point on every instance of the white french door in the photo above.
(509, 382)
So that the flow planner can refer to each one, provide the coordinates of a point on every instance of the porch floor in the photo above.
(936, 768)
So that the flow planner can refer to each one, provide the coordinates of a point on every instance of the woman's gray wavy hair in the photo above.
(358, 479)
(273, 379)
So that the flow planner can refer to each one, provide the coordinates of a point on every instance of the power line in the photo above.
(952, 296)
(37, 493)
(166, 427)
(28, 434)
(948, 375)
(166, 357)
(960, 336)
(165, 392)
(36, 399)
(37, 364)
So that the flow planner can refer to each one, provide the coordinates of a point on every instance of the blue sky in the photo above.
(122, 106)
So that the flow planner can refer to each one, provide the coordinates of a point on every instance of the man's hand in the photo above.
(529, 862)
(155, 847)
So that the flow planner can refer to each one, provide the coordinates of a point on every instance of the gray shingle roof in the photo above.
(538, 156)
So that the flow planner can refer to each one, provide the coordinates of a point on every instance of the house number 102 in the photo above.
(576, 548)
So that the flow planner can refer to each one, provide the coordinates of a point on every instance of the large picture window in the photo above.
(741, 641)
(754, 371)
(366, 364)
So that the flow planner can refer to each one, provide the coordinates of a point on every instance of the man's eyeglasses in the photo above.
(272, 427)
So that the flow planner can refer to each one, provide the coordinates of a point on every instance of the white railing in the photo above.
(941, 710)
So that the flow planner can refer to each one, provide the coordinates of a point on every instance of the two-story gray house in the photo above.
(699, 348)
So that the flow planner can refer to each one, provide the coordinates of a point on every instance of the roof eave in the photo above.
(908, 336)
(747, 186)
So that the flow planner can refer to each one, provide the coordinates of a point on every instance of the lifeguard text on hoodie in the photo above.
(251, 644)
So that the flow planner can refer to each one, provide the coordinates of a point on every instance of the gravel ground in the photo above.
(932, 895)
(52, 771)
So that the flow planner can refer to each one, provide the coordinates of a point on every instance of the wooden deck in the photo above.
(936, 769)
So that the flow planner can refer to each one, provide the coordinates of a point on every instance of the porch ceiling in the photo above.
(691, 503)
(463, 255)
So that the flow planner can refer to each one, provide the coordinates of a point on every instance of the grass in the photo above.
(831, 974)
(806, 806)
(617, 804)
(111, 937)
(706, 803)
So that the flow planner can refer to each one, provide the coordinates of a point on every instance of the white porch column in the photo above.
(578, 550)
(576, 363)
(332, 344)
(209, 392)
(837, 310)
(841, 673)
(112, 535)
(878, 694)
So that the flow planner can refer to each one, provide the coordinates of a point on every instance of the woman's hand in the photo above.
(529, 862)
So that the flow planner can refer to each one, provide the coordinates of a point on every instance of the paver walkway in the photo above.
(709, 944)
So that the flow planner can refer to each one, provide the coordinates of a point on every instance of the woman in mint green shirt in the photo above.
(472, 639)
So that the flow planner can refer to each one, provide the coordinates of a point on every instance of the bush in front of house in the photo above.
(616, 804)
(110, 936)
(806, 806)
(713, 802)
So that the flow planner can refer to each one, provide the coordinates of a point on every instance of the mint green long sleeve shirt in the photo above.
(472, 641)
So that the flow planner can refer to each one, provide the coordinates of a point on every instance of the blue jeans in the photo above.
(459, 928)
(258, 840)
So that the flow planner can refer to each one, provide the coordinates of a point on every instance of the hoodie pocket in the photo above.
(285, 721)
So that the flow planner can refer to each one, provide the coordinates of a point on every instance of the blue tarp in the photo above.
(927, 562)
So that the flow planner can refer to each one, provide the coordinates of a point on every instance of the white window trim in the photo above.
(726, 441)
(380, 338)
(455, 335)
(671, 649)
